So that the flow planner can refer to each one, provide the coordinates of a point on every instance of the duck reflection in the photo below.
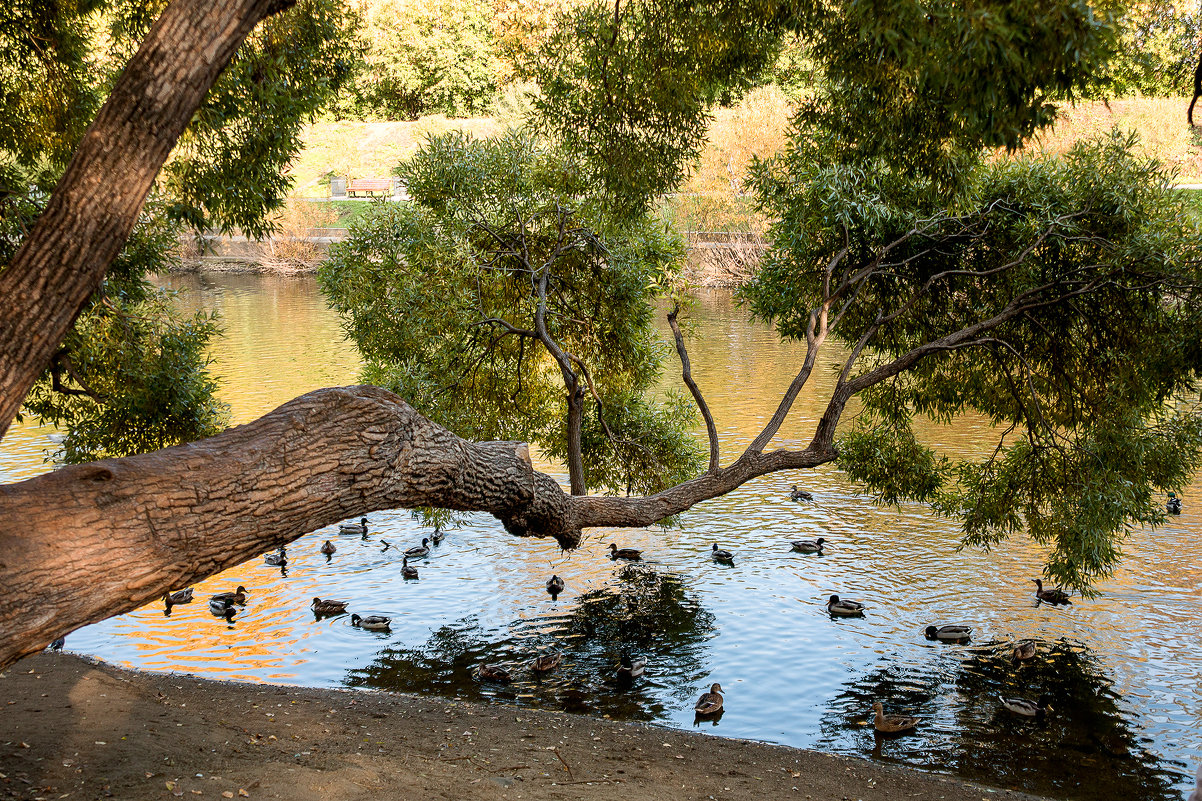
(1084, 747)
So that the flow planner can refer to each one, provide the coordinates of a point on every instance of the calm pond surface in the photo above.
(1122, 671)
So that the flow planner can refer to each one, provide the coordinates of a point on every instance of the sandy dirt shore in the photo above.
(72, 728)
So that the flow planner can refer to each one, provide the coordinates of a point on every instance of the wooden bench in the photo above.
(369, 186)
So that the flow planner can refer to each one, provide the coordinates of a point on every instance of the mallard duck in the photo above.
(321, 607)
(555, 585)
(800, 495)
(493, 673)
(371, 622)
(1051, 596)
(1028, 709)
(407, 572)
(219, 601)
(631, 669)
(437, 536)
(178, 597)
(950, 632)
(418, 551)
(354, 528)
(328, 548)
(624, 553)
(1173, 504)
(223, 608)
(808, 546)
(844, 608)
(710, 703)
(277, 559)
(726, 557)
(891, 724)
(546, 662)
(1024, 650)
(58, 644)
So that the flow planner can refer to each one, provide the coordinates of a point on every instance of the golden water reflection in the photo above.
(792, 674)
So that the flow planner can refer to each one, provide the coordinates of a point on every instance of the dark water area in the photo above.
(1121, 672)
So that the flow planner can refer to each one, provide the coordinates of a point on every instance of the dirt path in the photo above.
(74, 729)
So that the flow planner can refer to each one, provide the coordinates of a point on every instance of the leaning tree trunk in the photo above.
(86, 542)
(98, 199)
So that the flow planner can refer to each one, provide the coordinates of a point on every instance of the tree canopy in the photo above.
(1057, 297)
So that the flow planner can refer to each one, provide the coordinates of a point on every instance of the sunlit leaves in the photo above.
(138, 373)
(1085, 272)
(627, 87)
(230, 169)
(441, 297)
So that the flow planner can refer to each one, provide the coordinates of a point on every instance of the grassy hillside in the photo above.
(714, 198)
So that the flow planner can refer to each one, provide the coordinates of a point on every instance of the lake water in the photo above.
(1122, 671)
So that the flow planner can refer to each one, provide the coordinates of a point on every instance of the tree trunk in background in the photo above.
(98, 199)
(575, 441)
(1189, 115)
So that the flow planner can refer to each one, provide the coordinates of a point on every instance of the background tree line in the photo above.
(459, 57)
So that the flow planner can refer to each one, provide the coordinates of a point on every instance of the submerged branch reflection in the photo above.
(1085, 747)
(644, 613)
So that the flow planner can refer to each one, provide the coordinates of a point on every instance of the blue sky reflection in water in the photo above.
(1122, 671)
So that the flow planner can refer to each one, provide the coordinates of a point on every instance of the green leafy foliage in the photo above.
(916, 84)
(443, 298)
(1062, 296)
(627, 87)
(1157, 50)
(230, 169)
(48, 92)
(425, 57)
(140, 380)
(131, 375)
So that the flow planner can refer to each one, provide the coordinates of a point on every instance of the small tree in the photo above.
(506, 302)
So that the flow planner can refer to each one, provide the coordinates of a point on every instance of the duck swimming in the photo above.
(1024, 650)
(371, 622)
(493, 673)
(178, 597)
(555, 585)
(407, 572)
(800, 495)
(951, 632)
(631, 669)
(725, 557)
(418, 551)
(1173, 504)
(277, 559)
(328, 548)
(808, 546)
(437, 536)
(328, 607)
(219, 601)
(844, 608)
(354, 528)
(1053, 597)
(1028, 709)
(891, 724)
(629, 554)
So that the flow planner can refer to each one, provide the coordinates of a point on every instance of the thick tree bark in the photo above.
(98, 199)
(86, 542)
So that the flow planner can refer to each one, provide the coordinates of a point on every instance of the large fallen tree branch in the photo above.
(86, 542)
